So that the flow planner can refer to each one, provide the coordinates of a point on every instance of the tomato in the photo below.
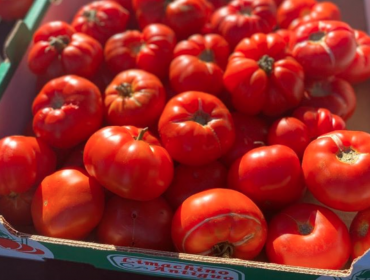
(119, 157)
(335, 94)
(134, 97)
(360, 233)
(318, 120)
(59, 50)
(185, 17)
(262, 77)
(324, 48)
(336, 167)
(271, 176)
(189, 180)
(128, 222)
(251, 132)
(67, 111)
(288, 36)
(243, 18)
(308, 235)
(196, 128)
(359, 69)
(291, 132)
(199, 64)
(101, 20)
(219, 222)
(149, 50)
(12, 10)
(293, 13)
(24, 162)
(67, 204)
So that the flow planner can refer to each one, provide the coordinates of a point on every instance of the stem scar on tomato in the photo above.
(223, 250)
(92, 16)
(363, 229)
(266, 63)
(317, 36)
(207, 55)
(59, 43)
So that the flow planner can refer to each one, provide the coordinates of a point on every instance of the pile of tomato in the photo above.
(196, 126)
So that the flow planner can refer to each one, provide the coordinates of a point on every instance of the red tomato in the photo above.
(291, 132)
(67, 111)
(189, 180)
(318, 120)
(288, 36)
(324, 47)
(120, 158)
(251, 132)
(335, 94)
(219, 222)
(336, 167)
(243, 18)
(185, 17)
(149, 50)
(360, 233)
(67, 204)
(308, 235)
(24, 162)
(134, 97)
(13, 10)
(271, 176)
(59, 50)
(262, 77)
(137, 224)
(101, 19)
(359, 69)
(196, 128)
(199, 64)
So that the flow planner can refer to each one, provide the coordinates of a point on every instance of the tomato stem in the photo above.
(201, 117)
(124, 89)
(223, 250)
(207, 56)
(59, 43)
(91, 16)
(141, 134)
(266, 63)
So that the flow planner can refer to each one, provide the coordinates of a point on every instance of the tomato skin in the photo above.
(59, 50)
(336, 168)
(217, 216)
(67, 204)
(149, 50)
(199, 64)
(196, 128)
(67, 111)
(12, 10)
(120, 163)
(360, 233)
(324, 48)
(134, 97)
(308, 235)
(262, 78)
(243, 18)
(101, 20)
(271, 176)
(127, 223)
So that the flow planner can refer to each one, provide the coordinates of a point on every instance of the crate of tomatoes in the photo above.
(203, 139)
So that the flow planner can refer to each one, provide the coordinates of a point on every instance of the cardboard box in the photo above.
(17, 86)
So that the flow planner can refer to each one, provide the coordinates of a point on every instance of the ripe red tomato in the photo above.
(101, 20)
(336, 167)
(199, 64)
(24, 162)
(359, 69)
(67, 204)
(129, 162)
(262, 77)
(360, 233)
(324, 48)
(189, 180)
(185, 17)
(291, 132)
(219, 222)
(149, 50)
(335, 94)
(196, 128)
(271, 176)
(67, 111)
(242, 18)
(13, 10)
(59, 50)
(137, 224)
(308, 235)
(134, 97)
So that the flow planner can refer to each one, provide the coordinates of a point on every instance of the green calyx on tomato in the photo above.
(223, 250)
(59, 42)
(91, 16)
(201, 117)
(266, 63)
(207, 56)
(125, 89)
